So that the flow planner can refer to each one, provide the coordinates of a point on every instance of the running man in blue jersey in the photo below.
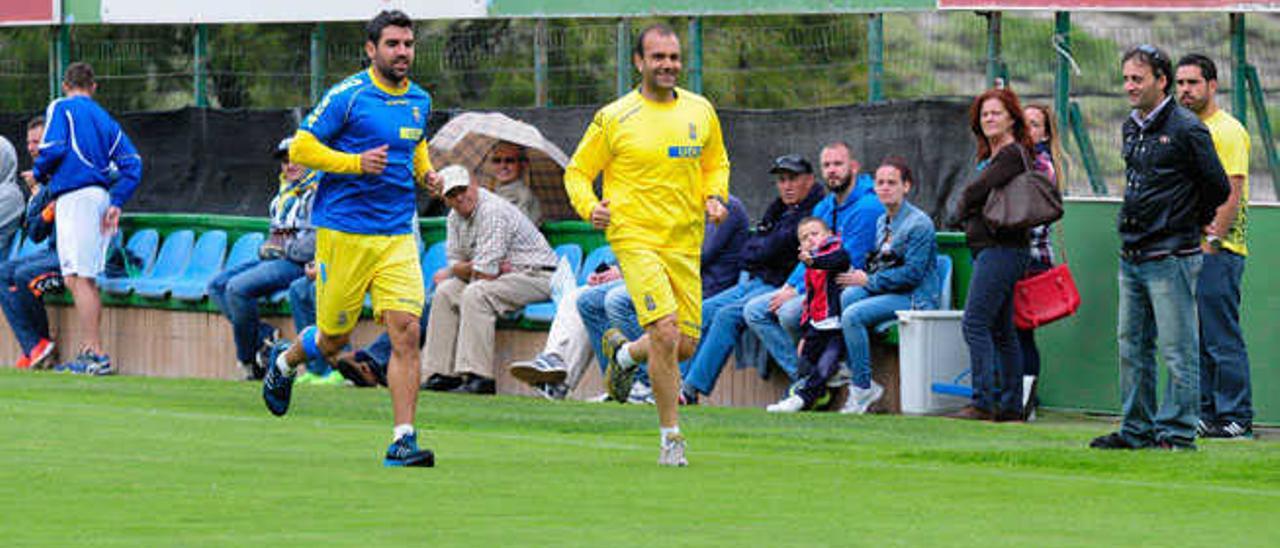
(369, 136)
(92, 169)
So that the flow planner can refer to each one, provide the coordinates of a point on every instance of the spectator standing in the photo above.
(1173, 185)
(821, 347)
(1226, 398)
(498, 263)
(290, 247)
(1043, 127)
(92, 169)
(901, 274)
(1000, 257)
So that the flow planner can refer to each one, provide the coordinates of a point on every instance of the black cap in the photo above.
(793, 163)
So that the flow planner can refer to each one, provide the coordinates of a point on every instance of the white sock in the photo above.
(283, 365)
(624, 356)
(665, 432)
(401, 430)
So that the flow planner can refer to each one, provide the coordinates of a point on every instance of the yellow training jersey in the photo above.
(1231, 142)
(661, 161)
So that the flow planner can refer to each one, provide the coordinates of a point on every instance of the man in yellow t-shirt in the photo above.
(1226, 409)
(665, 167)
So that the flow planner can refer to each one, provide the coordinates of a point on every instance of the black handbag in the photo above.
(1029, 200)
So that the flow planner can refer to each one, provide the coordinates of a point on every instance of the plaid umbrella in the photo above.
(467, 140)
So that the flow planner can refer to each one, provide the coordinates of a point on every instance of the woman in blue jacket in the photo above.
(900, 275)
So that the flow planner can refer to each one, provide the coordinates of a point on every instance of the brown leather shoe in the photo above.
(971, 413)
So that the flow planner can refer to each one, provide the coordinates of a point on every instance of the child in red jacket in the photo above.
(821, 345)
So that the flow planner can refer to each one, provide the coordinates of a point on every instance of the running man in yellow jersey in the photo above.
(665, 167)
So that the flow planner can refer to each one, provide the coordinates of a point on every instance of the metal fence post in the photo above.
(994, 62)
(695, 54)
(1062, 73)
(875, 57)
(623, 40)
(540, 63)
(1239, 64)
(59, 58)
(319, 60)
(199, 70)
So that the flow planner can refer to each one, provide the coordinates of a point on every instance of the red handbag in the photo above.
(1045, 298)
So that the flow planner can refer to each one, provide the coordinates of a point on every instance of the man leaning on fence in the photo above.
(1173, 184)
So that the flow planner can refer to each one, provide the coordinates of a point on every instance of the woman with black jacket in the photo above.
(1000, 257)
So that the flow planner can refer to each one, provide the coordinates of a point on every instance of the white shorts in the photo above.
(82, 247)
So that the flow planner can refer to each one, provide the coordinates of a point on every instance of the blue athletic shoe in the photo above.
(405, 452)
(87, 363)
(277, 387)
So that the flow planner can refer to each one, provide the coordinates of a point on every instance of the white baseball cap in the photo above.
(454, 176)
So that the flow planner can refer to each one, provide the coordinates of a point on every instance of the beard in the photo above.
(839, 185)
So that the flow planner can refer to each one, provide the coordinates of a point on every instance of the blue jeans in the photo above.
(779, 331)
(23, 310)
(995, 359)
(1225, 391)
(236, 292)
(1159, 297)
(302, 303)
(860, 312)
(722, 323)
(595, 316)
(621, 310)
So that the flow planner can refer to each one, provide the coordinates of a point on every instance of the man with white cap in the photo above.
(498, 263)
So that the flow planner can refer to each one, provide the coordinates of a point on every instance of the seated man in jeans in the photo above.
(498, 263)
(22, 280)
(291, 246)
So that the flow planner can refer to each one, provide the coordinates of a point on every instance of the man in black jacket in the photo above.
(1173, 184)
(770, 253)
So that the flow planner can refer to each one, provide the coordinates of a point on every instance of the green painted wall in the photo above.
(1080, 354)
(588, 8)
(82, 11)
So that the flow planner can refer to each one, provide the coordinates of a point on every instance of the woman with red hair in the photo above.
(1000, 257)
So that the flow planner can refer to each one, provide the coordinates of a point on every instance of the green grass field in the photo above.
(144, 462)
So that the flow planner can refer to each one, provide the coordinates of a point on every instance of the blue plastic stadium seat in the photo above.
(174, 255)
(143, 245)
(545, 311)
(245, 250)
(206, 262)
(885, 328)
(598, 256)
(432, 260)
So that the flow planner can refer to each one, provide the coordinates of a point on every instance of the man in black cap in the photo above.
(769, 255)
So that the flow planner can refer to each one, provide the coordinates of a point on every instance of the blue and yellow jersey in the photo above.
(661, 161)
(359, 114)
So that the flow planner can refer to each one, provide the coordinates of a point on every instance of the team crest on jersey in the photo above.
(417, 116)
(649, 303)
(693, 132)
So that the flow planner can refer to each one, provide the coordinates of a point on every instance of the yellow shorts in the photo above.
(350, 265)
(662, 283)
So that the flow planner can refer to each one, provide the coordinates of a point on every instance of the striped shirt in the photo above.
(497, 232)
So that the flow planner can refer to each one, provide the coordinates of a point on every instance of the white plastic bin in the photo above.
(931, 349)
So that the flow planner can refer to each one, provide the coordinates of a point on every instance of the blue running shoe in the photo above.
(405, 452)
(277, 387)
(75, 366)
(87, 363)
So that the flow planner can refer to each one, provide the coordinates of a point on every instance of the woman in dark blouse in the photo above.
(1000, 257)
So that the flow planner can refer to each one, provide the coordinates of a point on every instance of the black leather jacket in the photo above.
(1173, 184)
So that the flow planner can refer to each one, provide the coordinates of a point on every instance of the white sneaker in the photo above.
(789, 404)
(640, 393)
(599, 398)
(672, 453)
(861, 399)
